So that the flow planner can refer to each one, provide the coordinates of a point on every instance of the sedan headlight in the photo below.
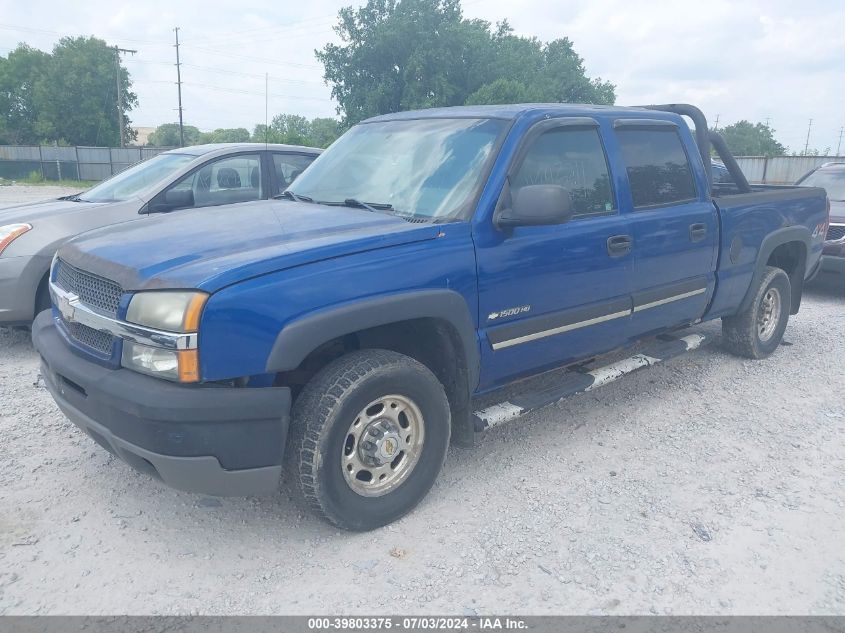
(171, 311)
(10, 232)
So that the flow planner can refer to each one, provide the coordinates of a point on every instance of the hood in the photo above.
(837, 211)
(211, 248)
(36, 211)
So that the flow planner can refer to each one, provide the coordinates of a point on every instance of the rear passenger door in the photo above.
(674, 225)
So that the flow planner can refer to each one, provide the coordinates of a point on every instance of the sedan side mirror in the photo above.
(537, 205)
(172, 199)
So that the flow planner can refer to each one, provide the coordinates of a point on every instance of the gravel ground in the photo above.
(16, 194)
(706, 485)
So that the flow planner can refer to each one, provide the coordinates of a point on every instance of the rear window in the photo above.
(658, 169)
(831, 180)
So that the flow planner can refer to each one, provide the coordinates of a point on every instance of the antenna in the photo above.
(266, 109)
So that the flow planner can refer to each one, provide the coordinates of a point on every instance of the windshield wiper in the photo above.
(375, 207)
(287, 194)
(73, 197)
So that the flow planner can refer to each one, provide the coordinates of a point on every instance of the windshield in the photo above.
(128, 183)
(832, 180)
(428, 168)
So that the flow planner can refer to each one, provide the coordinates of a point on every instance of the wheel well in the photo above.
(41, 293)
(433, 342)
(791, 257)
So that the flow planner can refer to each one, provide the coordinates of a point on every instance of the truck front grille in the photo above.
(93, 291)
(835, 232)
(88, 336)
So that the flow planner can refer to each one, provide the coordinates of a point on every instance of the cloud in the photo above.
(755, 59)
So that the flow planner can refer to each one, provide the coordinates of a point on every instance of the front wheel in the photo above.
(369, 436)
(757, 331)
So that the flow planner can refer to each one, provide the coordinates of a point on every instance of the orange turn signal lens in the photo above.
(192, 314)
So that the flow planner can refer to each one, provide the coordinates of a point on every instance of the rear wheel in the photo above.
(757, 331)
(369, 436)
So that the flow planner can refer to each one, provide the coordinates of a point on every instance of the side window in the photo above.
(223, 181)
(658, 168)
(573, 159)
(288, 167)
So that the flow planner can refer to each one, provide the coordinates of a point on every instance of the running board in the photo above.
(580, 380)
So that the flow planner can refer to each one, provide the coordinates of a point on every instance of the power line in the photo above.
(252, 92)
(250, 58)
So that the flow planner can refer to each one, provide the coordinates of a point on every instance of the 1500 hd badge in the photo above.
(508, 312)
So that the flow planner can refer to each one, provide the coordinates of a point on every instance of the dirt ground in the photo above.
(707, 485)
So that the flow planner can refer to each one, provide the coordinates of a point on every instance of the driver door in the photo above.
(550, 295)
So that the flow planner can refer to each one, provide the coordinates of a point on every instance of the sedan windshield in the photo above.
(832, 180)
(429, 168)
(128, 183)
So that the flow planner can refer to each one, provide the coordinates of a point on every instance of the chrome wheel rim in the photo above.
(769, 317)
(382, 446)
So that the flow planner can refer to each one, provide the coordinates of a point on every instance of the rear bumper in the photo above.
(19, 279)
(207, 439)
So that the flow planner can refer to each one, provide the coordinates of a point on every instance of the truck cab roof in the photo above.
(515, 111)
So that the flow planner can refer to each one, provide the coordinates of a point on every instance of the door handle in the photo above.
(697, 232)
(619, 245)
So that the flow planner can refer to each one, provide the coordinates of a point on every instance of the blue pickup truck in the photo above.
(420, 265)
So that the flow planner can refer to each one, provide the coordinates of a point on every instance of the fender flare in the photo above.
(770, 243)
(306, 333)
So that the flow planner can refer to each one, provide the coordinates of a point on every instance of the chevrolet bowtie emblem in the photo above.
(66, 306)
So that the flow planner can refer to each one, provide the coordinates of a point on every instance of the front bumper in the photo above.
(19, 279)
(208, 439)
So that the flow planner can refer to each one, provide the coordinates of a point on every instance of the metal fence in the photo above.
(780, 170)
(98, 163)
(70, 163)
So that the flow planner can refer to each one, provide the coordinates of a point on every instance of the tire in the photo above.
(348, 421)
(752, 333)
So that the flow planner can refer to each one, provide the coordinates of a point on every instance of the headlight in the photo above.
(10, 232)
(181, 365)
(172, 311)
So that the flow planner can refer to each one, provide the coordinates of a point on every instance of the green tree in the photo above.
(167, 135)
(324, 131)
(751, 139)
(227, 135)
(76, 96)
(18, 108)
(403, 54)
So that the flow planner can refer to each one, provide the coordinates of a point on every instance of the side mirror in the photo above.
(172, 199)
(537, 205)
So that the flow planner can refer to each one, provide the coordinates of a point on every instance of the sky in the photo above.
(779, 61)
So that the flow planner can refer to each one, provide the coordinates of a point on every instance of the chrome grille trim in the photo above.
(835, 232)
(73, 310)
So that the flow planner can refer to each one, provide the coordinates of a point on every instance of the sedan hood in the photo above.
(44, 210)
(215, 247)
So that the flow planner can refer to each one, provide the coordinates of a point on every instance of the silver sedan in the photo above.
(186, 178)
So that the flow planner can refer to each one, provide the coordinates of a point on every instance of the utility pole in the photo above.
(716, 125)
(767, 121)
(839, 145)
(179, 86)
(807, 144)
(117, 52)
